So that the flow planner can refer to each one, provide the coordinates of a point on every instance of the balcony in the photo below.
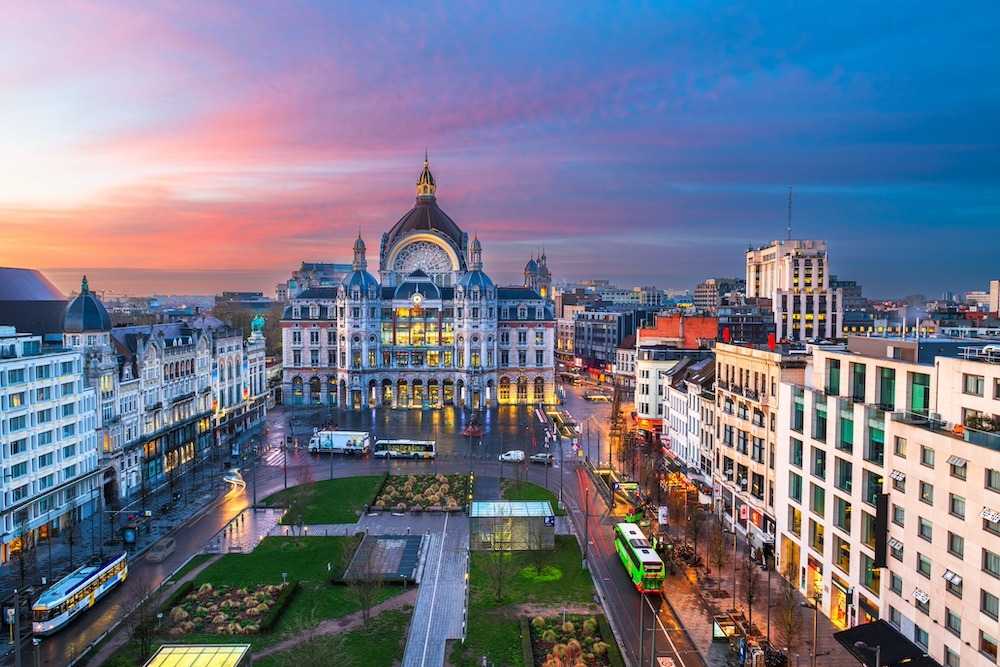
(988, 439)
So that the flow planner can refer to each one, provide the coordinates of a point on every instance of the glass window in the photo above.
(817, 501)
(956, 544)
(991, 563)
(795, 487)
(953, 622)
(887, 389)
(972, 384)
(926, 456)
(900, 447)
(898, 515)
(796, 453)
(988, 644)
(896, 583)
(842, 513)
(925, 529)
(818, 463)
(993, 479)
(924, 565)
(870, 575)
(927, 493)
(845, 474)
(990, 605)
(951, 658)
(956, 505)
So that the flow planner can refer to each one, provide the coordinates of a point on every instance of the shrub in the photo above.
(178, 595)
(205, 588)
(549, 636)
(177, 614)
(538, 622)
(600, 648)
(568, 627)
(286, 597)
(590, 626)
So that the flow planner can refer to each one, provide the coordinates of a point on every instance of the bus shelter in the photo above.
(519, 525)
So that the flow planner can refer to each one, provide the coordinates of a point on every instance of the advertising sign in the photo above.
(662, 515)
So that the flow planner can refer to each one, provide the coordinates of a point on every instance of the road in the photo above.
(506, 428)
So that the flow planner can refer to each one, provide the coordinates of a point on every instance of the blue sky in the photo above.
(196, 147)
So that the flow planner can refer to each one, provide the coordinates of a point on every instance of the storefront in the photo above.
(840, 605)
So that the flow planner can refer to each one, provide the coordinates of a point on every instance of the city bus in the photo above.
(76, 593)
(641, 561)
(405, 449)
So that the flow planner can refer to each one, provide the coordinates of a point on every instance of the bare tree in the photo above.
(520, 471)
(365, 576)
(789, 613)
(301, 497)
(534, 539)
(677, 502)
(141, 622)
(498, 561)
(72, 531)
(718, 551)
(696, 525)
(750, 584)
(312, 648)
(22, 554)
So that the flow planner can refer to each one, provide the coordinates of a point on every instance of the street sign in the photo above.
(662, 515)
(665, 662)
(550, 521)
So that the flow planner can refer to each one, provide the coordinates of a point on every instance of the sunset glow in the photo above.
(200, 147)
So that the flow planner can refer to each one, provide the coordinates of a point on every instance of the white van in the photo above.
(161, 550)
(512, 456)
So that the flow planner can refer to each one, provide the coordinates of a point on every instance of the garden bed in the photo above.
(574, 641)
(223, 610)
(416, 493)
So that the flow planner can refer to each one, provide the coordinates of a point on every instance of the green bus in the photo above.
(641, 561)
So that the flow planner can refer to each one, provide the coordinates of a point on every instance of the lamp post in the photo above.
(48, 538)
(586, 522)
(817, 600)
(877, 649)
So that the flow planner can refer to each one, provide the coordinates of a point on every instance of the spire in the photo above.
(360, 264)
(84, 287)
(476, 255)
(425, 184)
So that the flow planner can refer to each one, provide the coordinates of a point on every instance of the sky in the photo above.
(196, 147)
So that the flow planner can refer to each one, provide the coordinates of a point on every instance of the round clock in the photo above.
(417, 298)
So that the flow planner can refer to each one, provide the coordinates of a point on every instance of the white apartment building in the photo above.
(795, 275)
(684, 386)
(48, 441)
(651, 364)
(746, 418)
(893, 495)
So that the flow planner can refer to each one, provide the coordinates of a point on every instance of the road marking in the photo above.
(437, 580)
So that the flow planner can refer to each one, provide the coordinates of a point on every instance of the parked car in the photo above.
(160, 550)
(512, 456)
(544, 458)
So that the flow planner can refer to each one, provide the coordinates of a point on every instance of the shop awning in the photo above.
(895, 648)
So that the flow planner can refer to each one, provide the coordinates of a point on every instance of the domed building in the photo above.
(433, 330)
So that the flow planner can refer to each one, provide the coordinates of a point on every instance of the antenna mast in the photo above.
(790, 212)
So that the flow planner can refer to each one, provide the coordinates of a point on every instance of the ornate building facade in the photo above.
(432, 330)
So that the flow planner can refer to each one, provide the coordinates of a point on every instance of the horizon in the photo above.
(160, 148)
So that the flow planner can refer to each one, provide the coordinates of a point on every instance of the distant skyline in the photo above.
(192, 148)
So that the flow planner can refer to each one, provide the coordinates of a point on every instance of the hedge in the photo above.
(614, 653)
(179, 594)
(529, 654)
(278, 609)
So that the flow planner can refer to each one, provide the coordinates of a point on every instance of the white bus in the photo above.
(77, 592)
(405, 449)
(340, 442)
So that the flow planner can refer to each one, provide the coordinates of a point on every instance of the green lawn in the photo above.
(304, 560)
(329, 501)
(511, 490)
(195, 561)
(493, 630)
(381, 645)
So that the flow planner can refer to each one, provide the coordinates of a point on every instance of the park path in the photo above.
(343, 624)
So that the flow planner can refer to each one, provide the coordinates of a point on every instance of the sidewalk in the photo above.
(51, 558)
(697, 604)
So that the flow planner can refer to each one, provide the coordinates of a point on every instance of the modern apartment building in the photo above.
(890, 466)
(48, 441)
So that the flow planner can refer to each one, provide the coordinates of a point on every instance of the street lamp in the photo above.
(878, 651)
(817, 600)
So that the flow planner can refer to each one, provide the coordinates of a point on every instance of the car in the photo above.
(544, 458)
(161, 550)
(512, 456)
